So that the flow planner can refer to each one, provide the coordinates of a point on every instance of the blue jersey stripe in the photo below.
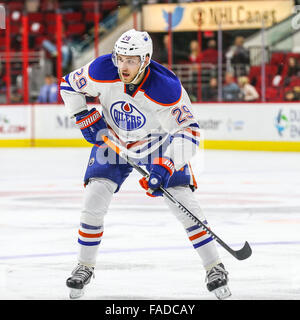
(88, 226)
(67, 88)
(95, 243)
(67, 79)
(192, 228)
(195, 125)
(202, 243)
(187, 138)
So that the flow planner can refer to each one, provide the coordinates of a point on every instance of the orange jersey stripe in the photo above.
(194, 133)
(139, 87)
(88, 235)
(198, 235)
(105, 81)
(193, 176)
(124, 144)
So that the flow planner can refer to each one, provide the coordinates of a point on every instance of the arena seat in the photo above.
(73, 17)
(278, 58)
(75, 29)
(36, 17)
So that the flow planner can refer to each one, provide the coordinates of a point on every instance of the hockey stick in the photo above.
(241, 254)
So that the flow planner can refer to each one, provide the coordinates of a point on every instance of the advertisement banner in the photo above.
(250, 122)
(53, 122)
(235, 126)
(15, 122)
(212, 15)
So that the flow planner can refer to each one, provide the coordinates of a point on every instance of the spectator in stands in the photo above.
(194, 56)
(178, 55)
(48, 92)
(231, 91)
(238, 57)
(292, 71)
(210, 91)
(290, 96)
(16, 95)
(210, 55)
(194, 59)
(32, 5)
(297, 92)
(248, 91)
(49, 5)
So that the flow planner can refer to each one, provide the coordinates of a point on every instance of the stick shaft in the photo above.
(241, 254)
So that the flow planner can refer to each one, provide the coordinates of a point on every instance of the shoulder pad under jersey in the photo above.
(162, 86)
(102, 69)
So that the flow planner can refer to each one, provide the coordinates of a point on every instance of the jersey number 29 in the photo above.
(79, 79)
(182, 114)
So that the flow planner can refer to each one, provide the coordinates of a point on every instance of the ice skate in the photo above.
(81, 276)
(217, 279)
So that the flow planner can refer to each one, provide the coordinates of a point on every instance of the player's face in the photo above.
(128, 67)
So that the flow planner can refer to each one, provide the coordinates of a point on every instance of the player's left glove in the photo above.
(90, 123)
(160, 172)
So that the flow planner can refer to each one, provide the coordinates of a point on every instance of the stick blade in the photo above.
(243, 253)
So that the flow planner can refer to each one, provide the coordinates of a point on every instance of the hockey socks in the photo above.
(202, 242)
(89, 239)
(204, 245)
(98, 196)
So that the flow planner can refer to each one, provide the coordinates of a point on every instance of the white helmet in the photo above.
(133, 43)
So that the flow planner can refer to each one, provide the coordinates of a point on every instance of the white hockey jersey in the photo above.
(140, 117)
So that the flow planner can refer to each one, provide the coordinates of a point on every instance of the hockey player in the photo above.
(147, 113)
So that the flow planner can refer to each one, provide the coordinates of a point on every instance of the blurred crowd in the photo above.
(237, 79)
(206, 73)
(77, 23)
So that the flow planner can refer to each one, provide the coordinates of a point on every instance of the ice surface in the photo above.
(145, 253)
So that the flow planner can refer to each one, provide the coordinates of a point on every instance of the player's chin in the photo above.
(127, 79)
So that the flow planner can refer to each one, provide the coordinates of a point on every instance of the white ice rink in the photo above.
(145, 253)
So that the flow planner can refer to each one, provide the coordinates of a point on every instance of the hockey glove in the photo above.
(90, 123)
(160, 172)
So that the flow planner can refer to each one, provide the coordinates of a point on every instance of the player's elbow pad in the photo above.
(75, 102)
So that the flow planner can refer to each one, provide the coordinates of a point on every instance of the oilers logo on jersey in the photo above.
(143, 120)
(126, 116)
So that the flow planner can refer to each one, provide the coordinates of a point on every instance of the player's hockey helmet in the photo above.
(133, 43)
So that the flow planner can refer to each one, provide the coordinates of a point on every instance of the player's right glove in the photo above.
(160, 172)
(90, 123)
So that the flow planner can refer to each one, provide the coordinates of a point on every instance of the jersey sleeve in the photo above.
(74, 88)
(179, 121)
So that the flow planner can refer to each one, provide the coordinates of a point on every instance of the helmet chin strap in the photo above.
(134, 81)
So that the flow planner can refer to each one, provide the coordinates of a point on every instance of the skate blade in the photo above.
(222, 292)
(76, 293)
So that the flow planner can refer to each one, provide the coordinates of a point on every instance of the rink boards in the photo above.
(234, 126)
